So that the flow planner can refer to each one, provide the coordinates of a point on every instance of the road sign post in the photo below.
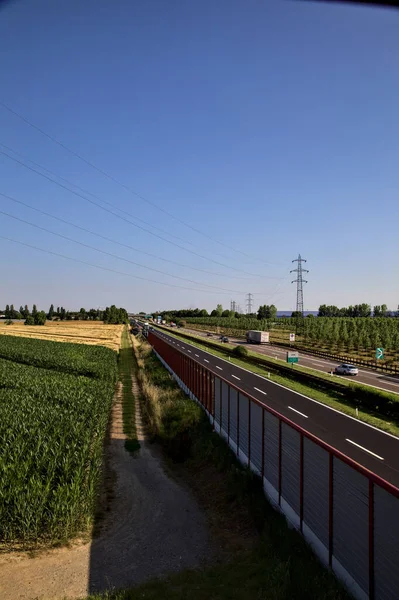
(379, 353)
(292, 357)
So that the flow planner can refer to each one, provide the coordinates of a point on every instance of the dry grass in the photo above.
(78, 332)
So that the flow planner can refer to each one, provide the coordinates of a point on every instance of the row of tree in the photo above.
(269, 312)
(264, 312)
(346, 332)
(111, 314)
(358, 310)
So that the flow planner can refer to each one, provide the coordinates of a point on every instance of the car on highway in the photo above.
(346, 370)
(209, 334)
(224, 339)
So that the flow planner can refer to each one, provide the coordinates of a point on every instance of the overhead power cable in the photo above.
(172, 235)
(60, 235)
(124, 218)
(115, 180)
(76, 260)
(99, 235)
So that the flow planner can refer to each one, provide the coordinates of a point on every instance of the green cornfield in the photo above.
(55, 401)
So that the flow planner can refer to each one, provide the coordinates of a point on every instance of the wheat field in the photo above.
(78, 332)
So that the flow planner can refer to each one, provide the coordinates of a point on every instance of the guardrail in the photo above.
(370, 364)
(346, 513)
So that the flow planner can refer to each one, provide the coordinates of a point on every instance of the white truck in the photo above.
(257, 337)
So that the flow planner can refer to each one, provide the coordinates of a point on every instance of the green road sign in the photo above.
(292, 357)
(379, 353)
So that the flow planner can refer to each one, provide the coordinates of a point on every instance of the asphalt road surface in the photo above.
(374, 449)
(386, 382)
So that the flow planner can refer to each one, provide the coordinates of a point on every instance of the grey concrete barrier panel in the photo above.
(290, 466)
(315, 490)
(233, 414)
(386, 544)
(225, 407)
(271, 449)
(243, 406)
(350, 523)
(256, 437)
(218, 400)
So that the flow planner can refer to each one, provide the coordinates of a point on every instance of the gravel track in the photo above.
(152, 526)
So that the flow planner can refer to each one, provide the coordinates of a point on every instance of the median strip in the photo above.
(377, 408)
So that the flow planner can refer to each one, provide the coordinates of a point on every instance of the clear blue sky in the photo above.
(272, 127)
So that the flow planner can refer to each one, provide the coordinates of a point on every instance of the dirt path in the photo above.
(153, 526)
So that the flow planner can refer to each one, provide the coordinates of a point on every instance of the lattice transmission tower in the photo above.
(249, 303)
(299, 281)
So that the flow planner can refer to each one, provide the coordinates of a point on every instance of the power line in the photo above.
(112, 178)
(99, 235)
(299, 281)
(105, 268)
(172, 235)
(124, 218)
(115, 255)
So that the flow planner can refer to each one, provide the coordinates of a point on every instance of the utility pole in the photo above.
(249, 303)
(299, 281)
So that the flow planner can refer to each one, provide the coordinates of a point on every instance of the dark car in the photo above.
(209, 334)
(224, 339)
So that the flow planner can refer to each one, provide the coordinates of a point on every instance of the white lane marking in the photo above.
(365, 449)
(261, 391)
(328, 364)
(395, 437)
(197, 355)
(190, 351)
(206, 360)
(220, 368)
(299, 413)
(235, 377)
(183, 347)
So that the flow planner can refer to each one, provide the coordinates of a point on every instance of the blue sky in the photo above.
(271, 127)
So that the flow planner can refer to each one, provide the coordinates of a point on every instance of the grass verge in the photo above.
(261, 557)
(342, 397)
(126, 365)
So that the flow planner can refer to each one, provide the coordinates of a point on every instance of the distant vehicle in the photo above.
(346, 370)
(257, 337)
(224, 339)
(209, 334)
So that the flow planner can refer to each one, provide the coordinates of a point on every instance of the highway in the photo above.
(374, 449)
(386, 382)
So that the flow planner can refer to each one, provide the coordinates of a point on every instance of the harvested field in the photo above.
(77, 332)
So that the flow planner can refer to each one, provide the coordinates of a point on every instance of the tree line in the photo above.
(264, 312)
(111, 315)
(269, 312)
(358, 310)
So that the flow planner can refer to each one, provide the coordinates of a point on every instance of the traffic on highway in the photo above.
(375, 449)
(382, 381)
